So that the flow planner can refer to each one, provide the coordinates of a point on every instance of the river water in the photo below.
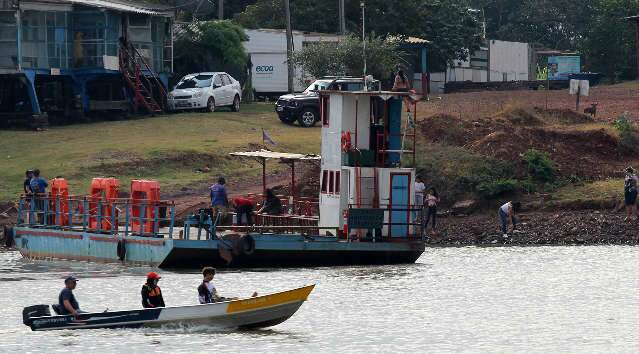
(541, 299)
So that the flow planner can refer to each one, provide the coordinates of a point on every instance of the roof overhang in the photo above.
(120, 6)
(272, 155)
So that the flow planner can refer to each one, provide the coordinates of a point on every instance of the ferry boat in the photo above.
(365, 213)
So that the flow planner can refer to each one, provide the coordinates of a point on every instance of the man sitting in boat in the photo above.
(151, 293)
(67, 304)
(207, 293)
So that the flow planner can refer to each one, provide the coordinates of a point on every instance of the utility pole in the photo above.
(289, 46)
(220, 9)
(363, 6)
(342, 18)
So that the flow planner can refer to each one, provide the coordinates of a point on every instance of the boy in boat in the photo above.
(151, 293)
(67, 304)
(207, 294)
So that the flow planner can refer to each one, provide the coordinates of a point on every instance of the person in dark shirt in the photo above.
(67, 303)
(151, 293)
(27, 182)
(272, 204)
(243, 206)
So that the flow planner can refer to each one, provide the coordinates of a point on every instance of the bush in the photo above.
(496, 188)
(628, 135)
(540, 166)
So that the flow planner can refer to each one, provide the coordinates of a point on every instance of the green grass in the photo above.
(168, 148)
(598, 190)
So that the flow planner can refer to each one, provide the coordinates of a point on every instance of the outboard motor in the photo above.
(34, 311)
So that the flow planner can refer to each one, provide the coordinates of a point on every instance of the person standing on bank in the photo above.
(431, 201)
(151, 293)
(630, 193)
(507, 216)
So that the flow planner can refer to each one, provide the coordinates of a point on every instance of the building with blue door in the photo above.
(63, 58)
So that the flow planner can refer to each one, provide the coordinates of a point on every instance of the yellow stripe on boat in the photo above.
(270, 300)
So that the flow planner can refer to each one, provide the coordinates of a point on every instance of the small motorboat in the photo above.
(255, 312)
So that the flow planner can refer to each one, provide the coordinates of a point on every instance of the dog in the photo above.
(592, 110)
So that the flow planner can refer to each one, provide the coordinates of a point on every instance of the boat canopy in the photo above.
(284, 156)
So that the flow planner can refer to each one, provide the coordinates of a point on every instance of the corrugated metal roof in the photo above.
(122, 6)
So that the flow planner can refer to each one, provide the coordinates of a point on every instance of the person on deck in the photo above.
(38, 184)
(151, 293)
(272, 204)
(401, 82)
(243, 207)
(67, 304)
(26, 186)
(507, 216)
(630, 193)
(219, 198)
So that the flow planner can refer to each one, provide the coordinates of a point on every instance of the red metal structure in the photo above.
(145, 206)
(59, 202)
(102, 195)
(133, 68)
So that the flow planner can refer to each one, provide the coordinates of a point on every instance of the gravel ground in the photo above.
(557, 228)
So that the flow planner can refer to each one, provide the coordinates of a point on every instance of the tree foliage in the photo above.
(346, 57)
(211, 46)
(448, 23)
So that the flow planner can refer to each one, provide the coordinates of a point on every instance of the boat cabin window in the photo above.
(331, 183)
(324, 110)
(325, 181)
(337, 181)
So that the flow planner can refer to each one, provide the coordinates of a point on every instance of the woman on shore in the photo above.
(430, 201)
(630, 193)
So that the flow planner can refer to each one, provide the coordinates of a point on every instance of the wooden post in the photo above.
(220, 9)
(264, 177)
(578, 95)
(289, 46)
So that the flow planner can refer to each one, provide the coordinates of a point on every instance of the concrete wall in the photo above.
(508, 61)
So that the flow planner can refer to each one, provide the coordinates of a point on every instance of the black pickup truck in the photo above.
(304, 107)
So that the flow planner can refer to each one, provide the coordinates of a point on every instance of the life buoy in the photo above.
(346, 141)
(248, 245)
(121, 249)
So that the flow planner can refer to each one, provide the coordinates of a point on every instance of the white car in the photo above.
(206, 91)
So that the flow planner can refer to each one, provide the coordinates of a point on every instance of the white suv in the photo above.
(206, 91)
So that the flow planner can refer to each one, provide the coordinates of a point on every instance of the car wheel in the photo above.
(210, 105)
(308, 117)
(236, 104)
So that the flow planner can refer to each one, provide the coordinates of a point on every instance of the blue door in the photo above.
(400, 198)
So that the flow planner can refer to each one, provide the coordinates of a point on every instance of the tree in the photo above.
(448, 23)
(345, 58)
(211, 46)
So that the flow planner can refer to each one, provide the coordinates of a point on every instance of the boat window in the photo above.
(337, 181)
(324, 110)
(198, 81)
(324, 181)
(331, 183)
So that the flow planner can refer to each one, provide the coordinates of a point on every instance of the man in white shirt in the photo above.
(507, 216)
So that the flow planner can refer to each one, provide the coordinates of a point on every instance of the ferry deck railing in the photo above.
(124, 217)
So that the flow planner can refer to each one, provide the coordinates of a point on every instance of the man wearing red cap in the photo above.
(151, 293)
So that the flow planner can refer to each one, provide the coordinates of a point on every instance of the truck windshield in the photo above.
(198, 81)
(321, 85)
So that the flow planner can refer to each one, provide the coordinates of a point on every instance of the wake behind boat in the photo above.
(255, 312)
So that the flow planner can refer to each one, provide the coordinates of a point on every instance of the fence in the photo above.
(98, 215)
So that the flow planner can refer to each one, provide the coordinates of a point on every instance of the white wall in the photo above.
(509, 61)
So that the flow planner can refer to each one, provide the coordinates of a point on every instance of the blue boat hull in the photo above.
(266, 250)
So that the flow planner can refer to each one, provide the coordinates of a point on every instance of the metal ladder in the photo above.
(140, 85)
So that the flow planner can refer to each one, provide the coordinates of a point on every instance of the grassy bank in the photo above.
(169, 148)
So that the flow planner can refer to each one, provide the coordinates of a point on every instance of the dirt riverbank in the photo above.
(586, 227)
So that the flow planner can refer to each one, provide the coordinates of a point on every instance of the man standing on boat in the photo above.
(67, 304)
(219, 199)
(151, 293)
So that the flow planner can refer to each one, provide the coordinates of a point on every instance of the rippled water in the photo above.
(545, 299)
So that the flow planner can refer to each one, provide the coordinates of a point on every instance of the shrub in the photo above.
(496, 188)
(540, 166)
(628, 135)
